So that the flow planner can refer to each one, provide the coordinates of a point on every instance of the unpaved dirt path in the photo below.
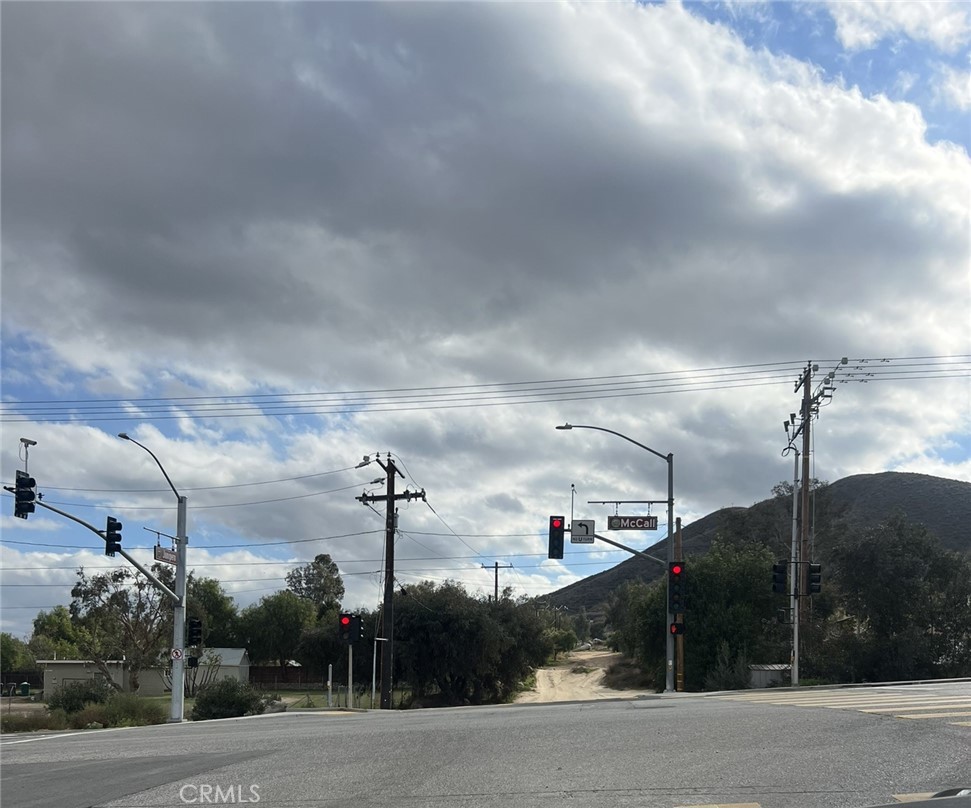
(560, 683)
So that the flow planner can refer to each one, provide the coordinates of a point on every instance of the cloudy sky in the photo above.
(268, 240)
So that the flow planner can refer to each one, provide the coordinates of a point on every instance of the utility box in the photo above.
(769, 675)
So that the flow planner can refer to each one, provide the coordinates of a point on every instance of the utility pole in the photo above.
(800, 555)
(807, 418)
(497, 568)
(387, 619)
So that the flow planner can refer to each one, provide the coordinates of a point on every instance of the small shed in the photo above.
(769, 675)
(233, 663)
(59, 672)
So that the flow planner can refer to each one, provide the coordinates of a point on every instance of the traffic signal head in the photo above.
(349, 628)
(557, 530)
(112, 536)
(25, 494)
(193, 634)
(677, 592)
(779, 577)
(677, 629)
(815, 579)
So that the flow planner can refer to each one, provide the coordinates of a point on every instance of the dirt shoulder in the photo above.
(577, 677)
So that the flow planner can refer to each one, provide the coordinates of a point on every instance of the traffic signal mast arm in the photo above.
(101, 534)
(631, 549)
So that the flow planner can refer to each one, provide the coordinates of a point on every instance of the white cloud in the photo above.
(863, 23)
(953, 88)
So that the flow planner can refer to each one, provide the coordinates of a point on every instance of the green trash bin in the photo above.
(25, 688)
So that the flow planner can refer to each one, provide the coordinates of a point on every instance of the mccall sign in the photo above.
(632, 523)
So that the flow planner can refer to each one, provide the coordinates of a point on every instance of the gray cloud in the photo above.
(236, 198)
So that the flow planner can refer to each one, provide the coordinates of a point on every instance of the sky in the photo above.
(274, 243)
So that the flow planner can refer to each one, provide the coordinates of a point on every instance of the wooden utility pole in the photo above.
(387, 614)
(497, 568)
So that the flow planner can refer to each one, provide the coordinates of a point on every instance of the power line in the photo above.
(196, 488)
(418, 397)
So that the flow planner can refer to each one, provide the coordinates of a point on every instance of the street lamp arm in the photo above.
(619, 435)
(125, 436)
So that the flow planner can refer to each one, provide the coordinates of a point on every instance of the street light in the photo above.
(669, 459)
(178, 630)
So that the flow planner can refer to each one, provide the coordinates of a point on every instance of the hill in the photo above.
(942, 506)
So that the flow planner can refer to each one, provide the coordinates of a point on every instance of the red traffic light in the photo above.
(556, 522)
(345, 619)
(677, 628)
(676, 569)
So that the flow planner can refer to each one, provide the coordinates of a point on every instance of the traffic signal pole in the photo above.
(679, 639)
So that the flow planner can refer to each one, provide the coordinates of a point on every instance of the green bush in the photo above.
(227, 698)
(129, 710)
(121, 710)
(73, 696)
(33, 721)
(729, 673)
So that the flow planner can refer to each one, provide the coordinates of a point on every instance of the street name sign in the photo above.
(168, 556)
(632, 523)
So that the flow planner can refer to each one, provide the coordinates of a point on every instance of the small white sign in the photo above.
(177, 653)
(582, 531)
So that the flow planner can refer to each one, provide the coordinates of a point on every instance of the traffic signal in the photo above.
(112, 536)
(557, 529)
(779, 577)
(192, 662)
(677, 629)
(193, 634)
(25, 494)
(349, 628)
(676, 588)
(815, 579)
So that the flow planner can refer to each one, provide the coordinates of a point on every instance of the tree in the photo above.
(14, 654)
(729, 603)
(319, 582)
(208, 601)
(465, 648)
(273, 627)
(121, 615)
(908, 600)
(54, 635)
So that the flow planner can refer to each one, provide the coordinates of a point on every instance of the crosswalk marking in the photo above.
(724, 805)
(916, 707)
(935, 715)
(913, 704)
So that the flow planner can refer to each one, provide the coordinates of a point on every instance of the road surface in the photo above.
(834, 748)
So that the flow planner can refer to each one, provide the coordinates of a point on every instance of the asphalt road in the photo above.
(819, 749)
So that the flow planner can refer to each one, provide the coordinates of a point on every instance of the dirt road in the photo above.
(578, 677)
